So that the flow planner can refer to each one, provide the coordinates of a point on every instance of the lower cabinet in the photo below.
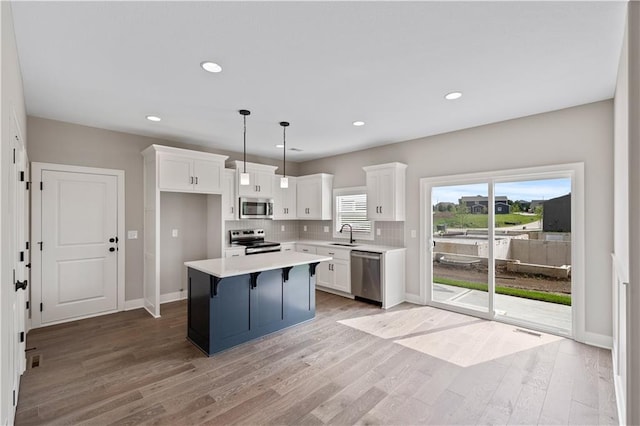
(223, 313)
(335, 274)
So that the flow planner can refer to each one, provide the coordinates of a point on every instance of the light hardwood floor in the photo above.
(353, 364)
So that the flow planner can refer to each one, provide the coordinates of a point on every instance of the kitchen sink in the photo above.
(344, 244)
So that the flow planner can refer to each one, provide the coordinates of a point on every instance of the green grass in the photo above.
(561, 299)
(480, 220)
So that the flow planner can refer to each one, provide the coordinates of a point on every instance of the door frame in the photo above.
(573, 170)
(36, 235)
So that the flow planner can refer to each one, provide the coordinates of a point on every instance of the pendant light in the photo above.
(284, 180)
(244, 176)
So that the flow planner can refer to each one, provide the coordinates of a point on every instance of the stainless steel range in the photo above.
(252, 240)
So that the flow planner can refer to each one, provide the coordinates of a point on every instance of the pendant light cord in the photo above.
(244, 150)
(284, 156)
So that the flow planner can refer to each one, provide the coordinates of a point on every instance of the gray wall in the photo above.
(579, 134)
(53, 141)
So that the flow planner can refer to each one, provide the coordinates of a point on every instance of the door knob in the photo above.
(112, 249)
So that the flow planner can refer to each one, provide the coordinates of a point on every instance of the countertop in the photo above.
(358, 245)
(232, 266)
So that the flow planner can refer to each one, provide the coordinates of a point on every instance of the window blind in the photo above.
(352, 209)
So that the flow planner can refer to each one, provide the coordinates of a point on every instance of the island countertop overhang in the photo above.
(233, 266)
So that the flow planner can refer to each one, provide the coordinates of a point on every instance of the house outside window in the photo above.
(350, 207)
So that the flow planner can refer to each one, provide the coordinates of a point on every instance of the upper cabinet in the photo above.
(386, 191)
(260, 179)
(229, 199)
(314, 193)
(184, 170)
(284, 199)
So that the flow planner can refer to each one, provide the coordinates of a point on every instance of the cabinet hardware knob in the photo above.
(112, 249)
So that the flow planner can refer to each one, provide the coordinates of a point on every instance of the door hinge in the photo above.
(21, 176)
(27, 304)
(21, 336)
(28, 186)
(21, 256)
(41, 186)
(41, 244)
(41, 307)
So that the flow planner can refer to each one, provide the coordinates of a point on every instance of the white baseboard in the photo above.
(133, 304)
(172, 297)
(621, 398)
(336, 292)
(164, 298)
(413, 298)
(599, 340)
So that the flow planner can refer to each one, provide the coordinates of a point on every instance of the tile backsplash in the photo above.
(391, 233)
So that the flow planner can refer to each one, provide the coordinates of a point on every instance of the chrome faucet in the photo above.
(351, 240)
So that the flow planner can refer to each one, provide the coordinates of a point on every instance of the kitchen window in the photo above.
(350, 207)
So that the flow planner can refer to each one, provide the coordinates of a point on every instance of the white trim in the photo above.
(621, 403)
(172, 297)
(413, 298)
(36, 229)
(336, 292)
(575, 171)
(595, 339)
(133, 304)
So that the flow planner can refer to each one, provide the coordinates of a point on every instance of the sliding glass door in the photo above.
(500, 247)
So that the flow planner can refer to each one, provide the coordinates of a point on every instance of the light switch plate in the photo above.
(282, 228)
(174, 233)
(378, 231)
(304, 228)
(326, 229)
(413, 233)
(132, 235)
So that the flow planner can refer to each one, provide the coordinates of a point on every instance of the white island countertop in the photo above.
(241, 265)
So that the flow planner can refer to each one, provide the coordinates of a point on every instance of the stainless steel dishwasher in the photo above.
(366, 279)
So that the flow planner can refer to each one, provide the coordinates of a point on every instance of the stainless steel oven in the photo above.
(256, 208)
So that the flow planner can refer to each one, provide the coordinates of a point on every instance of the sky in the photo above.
(526, 190)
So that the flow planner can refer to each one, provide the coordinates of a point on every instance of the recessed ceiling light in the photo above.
(211, 66)
(153, 118)
(453, 95)
(280, 146)
(358, 123)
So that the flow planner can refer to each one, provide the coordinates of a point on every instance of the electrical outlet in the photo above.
(304, 228)
(282, 228)
(326, 229)
(413, 233)
(378, 231)
(132, 235)
(174, 233)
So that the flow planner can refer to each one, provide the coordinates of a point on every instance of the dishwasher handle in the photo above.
(365, 255)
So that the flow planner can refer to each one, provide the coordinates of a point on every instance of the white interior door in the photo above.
(79, 245)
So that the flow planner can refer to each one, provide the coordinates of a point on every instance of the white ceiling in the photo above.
(319, 65)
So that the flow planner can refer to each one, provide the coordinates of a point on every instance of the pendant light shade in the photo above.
(244, 176)
(284, 180)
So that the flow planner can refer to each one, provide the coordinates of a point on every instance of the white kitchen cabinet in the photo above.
(288, 247)
(169, 169)
(234, 252)
(260, 180)
(314, 197)
(303, 248)
(284, 199)
(386, 191)
(335, 274)
(229, 198)
(182, 170)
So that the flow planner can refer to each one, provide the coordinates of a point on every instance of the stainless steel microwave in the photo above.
(256, 208)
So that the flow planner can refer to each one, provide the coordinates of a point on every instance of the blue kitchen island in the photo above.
(234, 300)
